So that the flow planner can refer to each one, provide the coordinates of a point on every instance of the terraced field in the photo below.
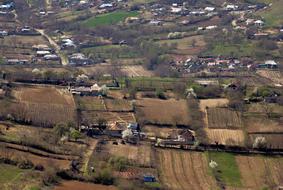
(223, 118)
(185, 170)
(260, 172)
(225, 136)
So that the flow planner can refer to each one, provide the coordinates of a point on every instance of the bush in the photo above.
(105, 177)
(118, 163)
(26, 164)
(160, 94)
(208, 91)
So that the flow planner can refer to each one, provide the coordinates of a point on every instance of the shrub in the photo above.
(26, 164)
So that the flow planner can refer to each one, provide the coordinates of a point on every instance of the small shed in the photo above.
(149, 178)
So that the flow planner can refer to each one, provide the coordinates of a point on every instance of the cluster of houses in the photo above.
(218, 64)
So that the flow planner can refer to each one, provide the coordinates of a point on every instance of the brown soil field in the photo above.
(76, 185)
(181, 170)
(136, 71)
(212, 103)
(223, 118)
(124, 117)
(48, 95)
(260, 108)
(274, 76)
(45, 105)
(161, 132)
(163, 112)
(141, 154)
(24, 40)
(273, 140)
(116, 94)
(184, 45)
(37, 160)
(262, 125)
(118, 105)
(226, 136)
(89, 103)
(258, 171)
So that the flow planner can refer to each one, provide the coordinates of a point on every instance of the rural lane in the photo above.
(64, 60)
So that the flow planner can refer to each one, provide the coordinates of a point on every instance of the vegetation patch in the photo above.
(227, 170)
(9, 173)
(109, 18)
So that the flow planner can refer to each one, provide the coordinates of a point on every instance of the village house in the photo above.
(259, 23)
(78, 59)
(231, 7)
(3, 33)
(209, 9)
(2, 93)
(183, 137)
(42, 53)
(115, 129)
(94, 90)
(7, 6)
(51, 57)
(269, 64)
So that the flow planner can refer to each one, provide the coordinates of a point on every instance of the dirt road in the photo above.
(64, 59)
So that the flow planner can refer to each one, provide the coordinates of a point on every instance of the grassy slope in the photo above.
(229, 171)
(273, 15)
(109, 18)
(9, 173)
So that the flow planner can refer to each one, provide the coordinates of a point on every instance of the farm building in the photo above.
(149, 178)
(115, 129)
(270, 64)
(94, 90)
(184, 137)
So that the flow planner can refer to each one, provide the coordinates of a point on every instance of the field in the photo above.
(225, 136)
(9, 173)
(109, 18)
(152, 83)
(274, 76)
(236, 49)
(45, 105)
(11, 177)
(46, 162)
(136, 71)
(272, 15)
(112, 51)
(188, 45)
(140, 155)
(89, 103)
(212, 103)
(119, 105)
(185, 170)
(161, 132)
(223, 118)
(273, 140)
(263, 125)
(259, 172)
(163, 112)
(110, 117)
(227, 170)
(76, 185)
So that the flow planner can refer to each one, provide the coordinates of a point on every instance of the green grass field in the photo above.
(109, 18)
(111, 51)
(242, 49)
(227, 170)
(273, 15)
(9, 174)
